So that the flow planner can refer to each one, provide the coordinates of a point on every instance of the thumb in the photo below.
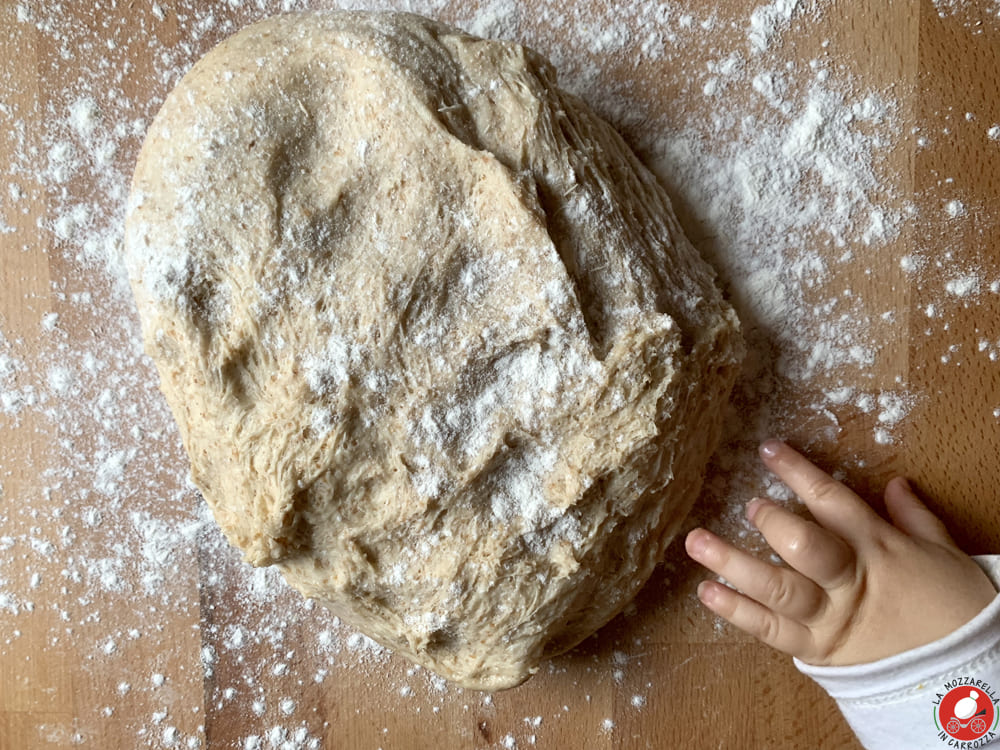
(912, 517)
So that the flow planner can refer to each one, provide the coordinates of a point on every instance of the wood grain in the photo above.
(698, 684)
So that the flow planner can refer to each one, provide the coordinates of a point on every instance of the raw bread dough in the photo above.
(435, 342)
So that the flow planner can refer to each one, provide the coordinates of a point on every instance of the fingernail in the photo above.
(754, 506)
(697, 543)
(770, 448)
(706, 593)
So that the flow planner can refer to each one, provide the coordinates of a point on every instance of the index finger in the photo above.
(832, 504)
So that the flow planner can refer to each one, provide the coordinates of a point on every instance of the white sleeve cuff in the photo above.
(892, 703)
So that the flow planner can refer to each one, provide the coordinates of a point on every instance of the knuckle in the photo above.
(823, 488)
(777, 592)
(768, 629)
(887, 546)
(801, 539)
(843, 573)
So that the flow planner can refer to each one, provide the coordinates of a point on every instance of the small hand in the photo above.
(857, 588)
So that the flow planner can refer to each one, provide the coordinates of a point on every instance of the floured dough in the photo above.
(434, 340)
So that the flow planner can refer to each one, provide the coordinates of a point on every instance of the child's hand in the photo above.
(857, 589)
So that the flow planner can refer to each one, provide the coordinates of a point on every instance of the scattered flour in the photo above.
(963, 286)
(766, 21)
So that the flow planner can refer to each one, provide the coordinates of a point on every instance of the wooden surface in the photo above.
(696, 684)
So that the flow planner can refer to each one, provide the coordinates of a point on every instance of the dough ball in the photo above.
(435, 343)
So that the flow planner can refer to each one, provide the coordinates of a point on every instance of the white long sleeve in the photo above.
(893, 703)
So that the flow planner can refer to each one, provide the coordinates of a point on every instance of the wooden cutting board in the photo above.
(94, 655)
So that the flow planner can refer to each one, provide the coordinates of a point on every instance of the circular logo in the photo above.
(966, 713)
